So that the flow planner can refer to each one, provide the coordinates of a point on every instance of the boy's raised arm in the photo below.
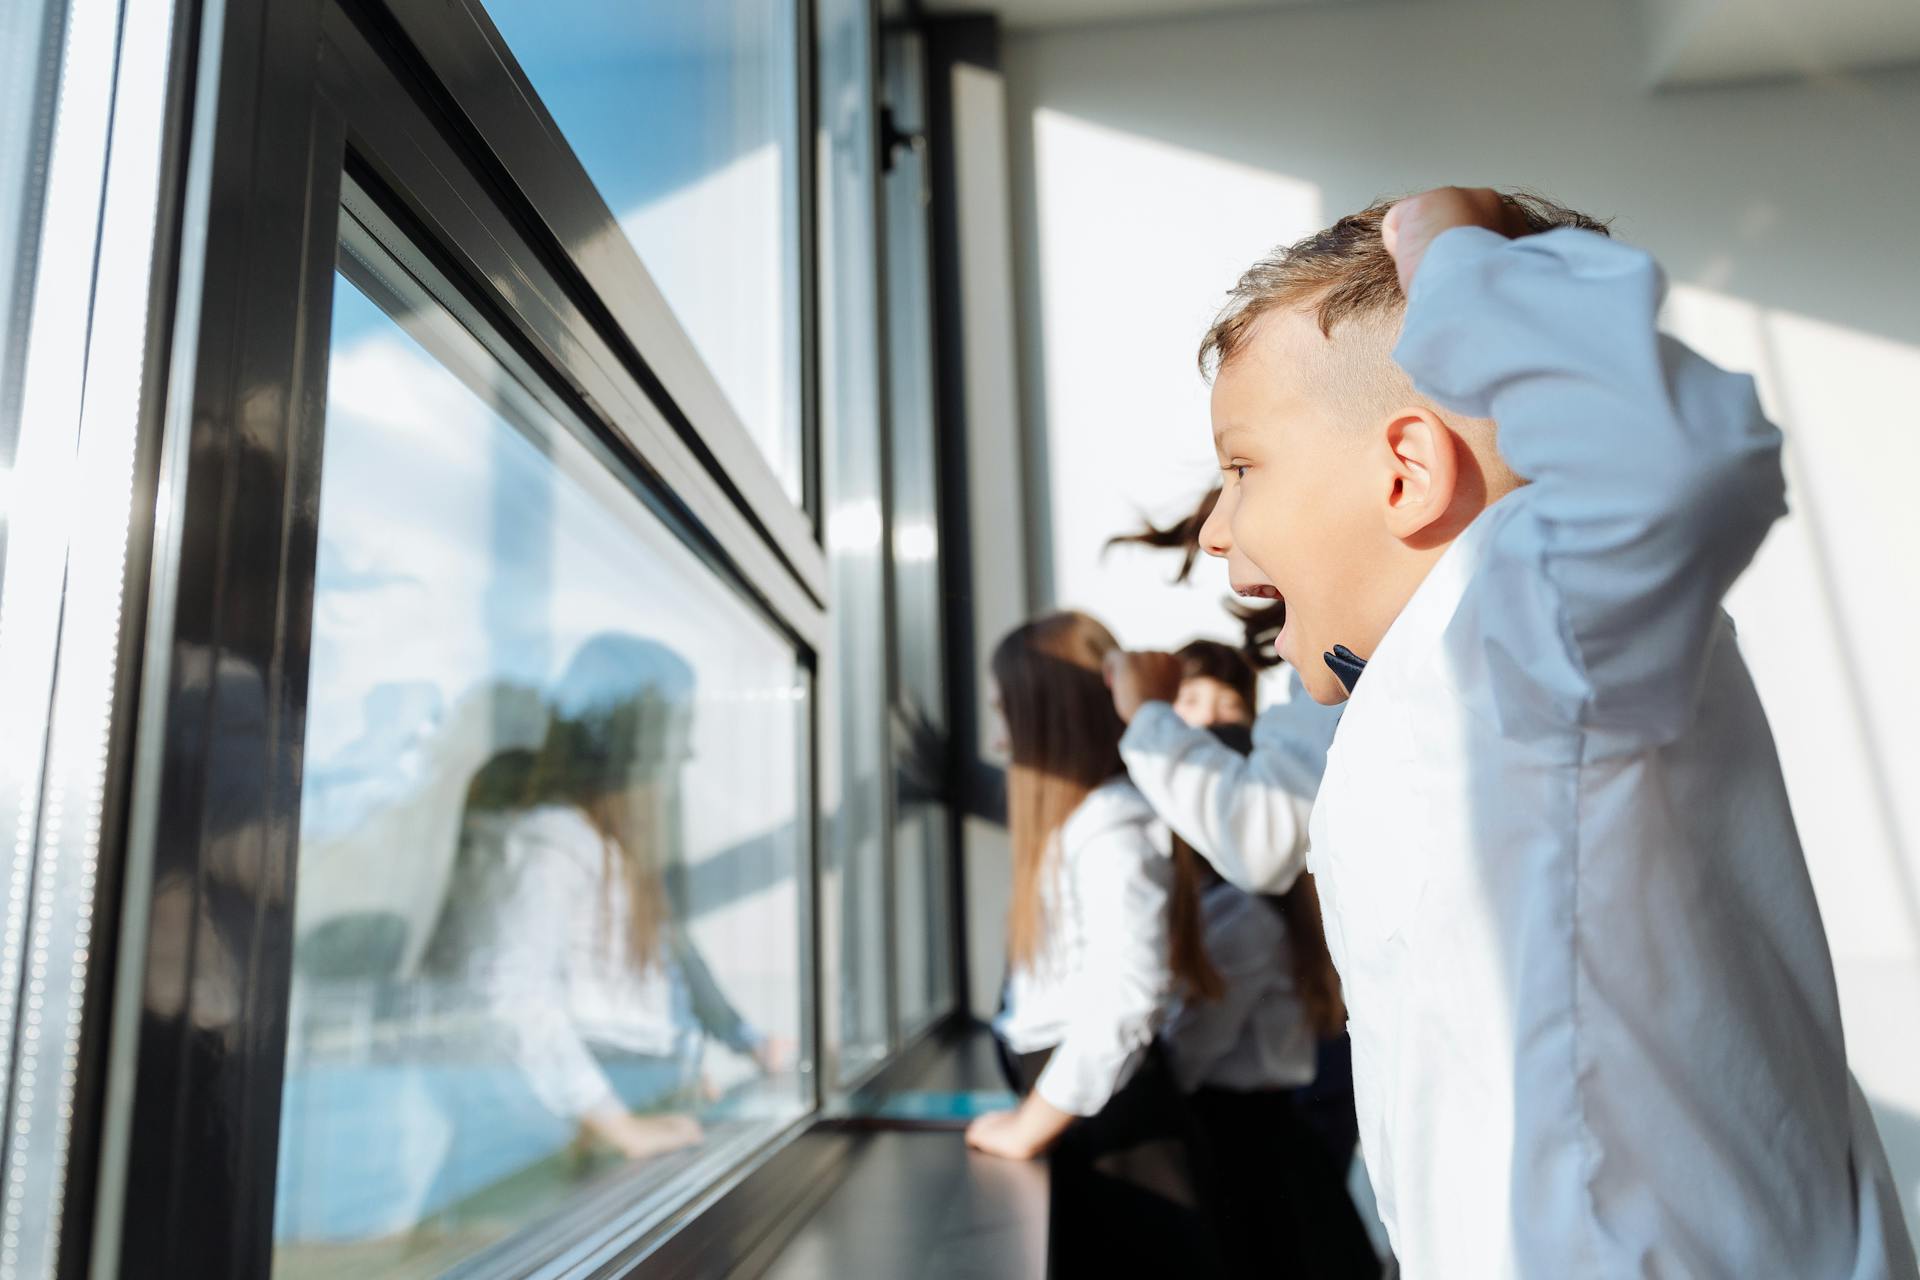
(1654, 475)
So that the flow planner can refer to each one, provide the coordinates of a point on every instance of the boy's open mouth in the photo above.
(1273, 615)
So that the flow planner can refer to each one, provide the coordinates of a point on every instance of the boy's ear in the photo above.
(1423, 470)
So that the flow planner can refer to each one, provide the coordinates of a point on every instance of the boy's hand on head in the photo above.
(1139, 678)
(1412, 225)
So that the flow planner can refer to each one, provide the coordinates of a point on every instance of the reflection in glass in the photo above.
(684, 115)
(548, 911)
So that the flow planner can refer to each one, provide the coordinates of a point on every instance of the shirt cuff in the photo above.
(1149, 727)
(1081, 1085)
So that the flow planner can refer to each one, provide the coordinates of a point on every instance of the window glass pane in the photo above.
(921, 840)
(684, 116)
(29, 32)
(855, 768)
(922, 895)
(547, 923)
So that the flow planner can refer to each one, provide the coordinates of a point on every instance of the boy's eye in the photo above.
(1239, 470)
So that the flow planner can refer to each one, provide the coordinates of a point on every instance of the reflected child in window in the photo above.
(1103, 931)
(559, 922)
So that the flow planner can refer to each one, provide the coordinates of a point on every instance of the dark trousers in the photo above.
(1125, 1185)
(1326, 1105)
(1279, 1198)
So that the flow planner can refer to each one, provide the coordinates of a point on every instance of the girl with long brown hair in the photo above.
(1103, 933)
(558, 922)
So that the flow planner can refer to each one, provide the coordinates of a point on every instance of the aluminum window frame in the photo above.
(487, 93)
(197, 1056)
(280, 111)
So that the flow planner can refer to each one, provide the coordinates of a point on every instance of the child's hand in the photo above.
(642, 1137)
(775, 1054)
(1021, 1134)
(997, 1133)
(1140, 678)
(1412, 224)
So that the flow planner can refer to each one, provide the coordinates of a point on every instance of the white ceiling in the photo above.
(1715, 41)
(1023, 15)
(1688, 41)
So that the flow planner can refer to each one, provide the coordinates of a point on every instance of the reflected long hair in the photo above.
(1259, 624)
(1065, 737)
(621, 720)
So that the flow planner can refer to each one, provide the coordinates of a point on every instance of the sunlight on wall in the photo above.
(1828, 614)
(1138, 243)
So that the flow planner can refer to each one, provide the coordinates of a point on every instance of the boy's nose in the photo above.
(1216, 537)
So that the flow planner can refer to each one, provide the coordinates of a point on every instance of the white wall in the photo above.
(1154, 161)
(999, 595)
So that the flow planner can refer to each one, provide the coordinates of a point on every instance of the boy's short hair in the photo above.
(1345, 272)
(1222, 662)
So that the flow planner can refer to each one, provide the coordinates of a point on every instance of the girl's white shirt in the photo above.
(1595, 1026)
(1255, 1036)
(1245, 814)
(1100, 985)
(548, 956)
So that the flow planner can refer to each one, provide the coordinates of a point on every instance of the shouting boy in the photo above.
(1595, 1028)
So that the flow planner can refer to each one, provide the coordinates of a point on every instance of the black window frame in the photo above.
(291, 102)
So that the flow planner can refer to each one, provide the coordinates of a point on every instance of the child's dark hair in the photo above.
(1260, 623)
(1183, 535)
(1345, 271)
(1211, 660)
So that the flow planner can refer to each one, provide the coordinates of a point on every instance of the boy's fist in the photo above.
(1411, 225)
(1140, 678)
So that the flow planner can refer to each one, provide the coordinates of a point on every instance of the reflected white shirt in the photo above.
(1255, 1036)
(1245, 814)
(546, 950)
(1595, 1028)
(1100, 985)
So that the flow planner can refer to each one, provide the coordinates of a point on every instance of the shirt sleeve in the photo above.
(711, 1008)
(1122, 986)
(525, 982)
(1247, 815)
(1653, 474)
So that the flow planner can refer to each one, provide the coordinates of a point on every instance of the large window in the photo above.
(685, 116)
(510, 753)
(548, 919)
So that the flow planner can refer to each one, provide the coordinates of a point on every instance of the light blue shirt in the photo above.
(1595, 1027)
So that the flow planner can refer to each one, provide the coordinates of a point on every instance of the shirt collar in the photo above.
(1415, 637)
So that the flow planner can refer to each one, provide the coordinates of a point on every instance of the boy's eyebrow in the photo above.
(1227, 435)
